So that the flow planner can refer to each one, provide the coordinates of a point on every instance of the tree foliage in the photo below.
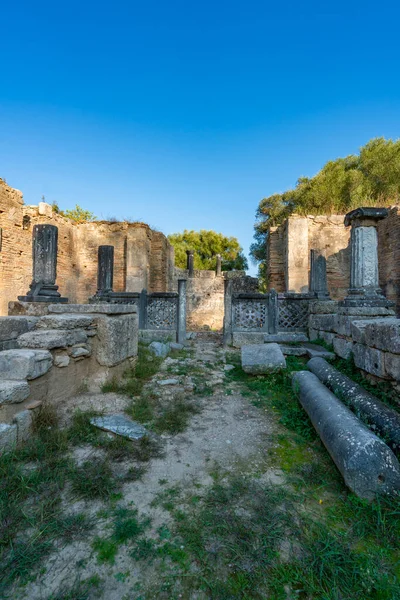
(371, 178)
(206, 245)
(77, 214)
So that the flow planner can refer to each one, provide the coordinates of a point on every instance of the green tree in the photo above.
(77, 214)
(371, 178)
(206, 245)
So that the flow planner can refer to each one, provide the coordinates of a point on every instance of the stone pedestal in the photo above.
(190, 262)
(318, 280)
(43, 287)
(364, 276)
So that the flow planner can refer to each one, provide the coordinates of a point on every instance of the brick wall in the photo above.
(149, 252)
(389, 255)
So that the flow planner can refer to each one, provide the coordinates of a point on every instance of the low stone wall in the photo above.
(371, 335)
(52, 357)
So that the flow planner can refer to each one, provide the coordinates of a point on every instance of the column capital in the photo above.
(365, 216)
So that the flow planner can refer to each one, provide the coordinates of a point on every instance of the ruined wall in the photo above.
(389, 255)
(288, 254)
(142, 257)
(205, 295)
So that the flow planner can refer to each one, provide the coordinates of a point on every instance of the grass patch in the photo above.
(94, 479)
(175, 418)
(134, 379)
(82, 590)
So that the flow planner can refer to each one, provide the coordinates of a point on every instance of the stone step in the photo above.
(52, 338)
(13, 391)
(104, 308)
(21, 364)
(65, 321)
(285, 337)
(316, 351)
(293, 350)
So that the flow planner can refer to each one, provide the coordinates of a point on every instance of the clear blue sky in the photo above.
(185, 114)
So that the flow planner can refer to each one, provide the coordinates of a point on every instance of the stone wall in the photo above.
(371, 335)
(53, 357)
(205, 295)
(143, 258)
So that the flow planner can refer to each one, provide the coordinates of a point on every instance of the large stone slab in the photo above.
(117, 338)
(244, 338)
(324, 322)
(65, 321)
(52, 338)
(13, 392)
(267, 358)
(24, 364)
(293, 350)
(392, 365)
(343, 347)
(383, 334)
(370, 360)
(323, 307)
(120, 425)
(12, 327)
(314, 350)
(105, 309)
(285, 337)
(367, 465)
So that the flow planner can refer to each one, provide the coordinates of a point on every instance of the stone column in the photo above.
(181, 332)
(364, 276)
(228, 326)
(105, 270)
(190, 262)
(318, 281)
(273, 312)
(44, 253)
(218, 269)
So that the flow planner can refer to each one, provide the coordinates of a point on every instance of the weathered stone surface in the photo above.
(12, 327)
(229, 367)
(168, 382)
(242, 338)
(365, 311)
(378, 415)
(62, 360)
(23, 421)
(13, 392)
(324, 322)
(343, 325)
(258, 359)
(327, 337)
(392, 365)
(293, 350)
(285, 337)
(159, 349)
(117, 338)
(176, 347)
(367, 465)
(24, 364)
(342, 347)
(79, 352)
(8, 436)
(104, 308)
(383, 334)
(120, 425)
(358, 330)
(370, 360)
(324, 307)
(33, 309)
(315, 350)
(52, 338)
(65, 321)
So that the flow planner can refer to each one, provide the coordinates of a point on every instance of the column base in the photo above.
(369, 298)
(50, 299)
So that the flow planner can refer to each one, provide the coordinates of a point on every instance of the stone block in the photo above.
(34, 309)
(79, 352)
(117, 338)
(45, 209)
(260, 359)
(313, 334)
(285, 337)
(384, 334)
(365, 311)
(13, 327)
(23, 421)
(8, 436)
(13, 392)
(242, 338)
(104, 308)
(327, 337)
(343, 347)
(324, 322)
(314, 350)
(323, 307)
(159, 349)
(343, 325)
(61, 360)
(357, 330)
(24, 364)
(392, 365)
(65, 321)
(293, 350)
(52, 338)
(370, 360)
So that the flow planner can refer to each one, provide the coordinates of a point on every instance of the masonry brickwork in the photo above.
(143, 258)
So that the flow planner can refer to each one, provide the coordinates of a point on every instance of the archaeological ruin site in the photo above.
(179, 433)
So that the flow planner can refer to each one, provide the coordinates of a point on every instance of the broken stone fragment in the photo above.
(259, 359)
(168, 382)
(13, 392)
(61, 360)
(51, 338)
(22, 364)
(159, 349)
(120, 425)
